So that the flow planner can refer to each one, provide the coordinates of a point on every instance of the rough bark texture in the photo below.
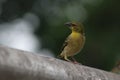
(21, 65)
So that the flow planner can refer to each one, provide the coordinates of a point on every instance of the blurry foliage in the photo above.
(12, 9)
(100, 18)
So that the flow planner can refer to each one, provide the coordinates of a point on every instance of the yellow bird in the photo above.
(75, 41)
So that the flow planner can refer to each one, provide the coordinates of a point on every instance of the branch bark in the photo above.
(21, 65)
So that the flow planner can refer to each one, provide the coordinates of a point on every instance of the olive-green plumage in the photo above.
(75, 41)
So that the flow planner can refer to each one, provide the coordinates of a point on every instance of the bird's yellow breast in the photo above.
(75, 43)
(75, 35)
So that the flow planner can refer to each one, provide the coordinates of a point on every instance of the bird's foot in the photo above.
(75, 62)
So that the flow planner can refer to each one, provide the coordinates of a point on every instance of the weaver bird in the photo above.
(74, 42)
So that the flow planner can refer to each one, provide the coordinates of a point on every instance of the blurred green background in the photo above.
(101, 19)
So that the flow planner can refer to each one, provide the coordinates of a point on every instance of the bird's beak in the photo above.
(68, 24)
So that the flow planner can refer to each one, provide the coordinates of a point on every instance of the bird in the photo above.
(74, 42)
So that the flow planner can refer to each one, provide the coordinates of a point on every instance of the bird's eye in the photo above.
(73, 24)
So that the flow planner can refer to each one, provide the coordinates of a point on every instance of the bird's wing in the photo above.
(65, 43)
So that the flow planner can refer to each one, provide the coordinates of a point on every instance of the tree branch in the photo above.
(21, 65)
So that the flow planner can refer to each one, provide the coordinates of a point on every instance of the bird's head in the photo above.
(75, 26)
